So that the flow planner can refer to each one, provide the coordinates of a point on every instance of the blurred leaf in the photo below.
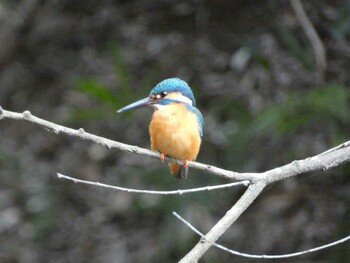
(127, 94)
(342, 253)
(232, 109)
(303, 53)
(89, 114)
(121, 70)
(341, 28)
(268, 119)
(331, 100)
(97, 91)
(45, 221)
(101, 93)
(298, 110)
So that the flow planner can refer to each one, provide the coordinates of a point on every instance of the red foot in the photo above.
(162, 157)
(185, 163)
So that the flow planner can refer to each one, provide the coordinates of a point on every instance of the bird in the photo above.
(176, 127)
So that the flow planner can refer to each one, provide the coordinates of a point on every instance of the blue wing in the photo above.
(200, 118)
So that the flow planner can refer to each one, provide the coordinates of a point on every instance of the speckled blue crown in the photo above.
(174, 85)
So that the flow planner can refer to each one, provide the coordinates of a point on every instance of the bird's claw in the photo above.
(162, 157)
(185, 163)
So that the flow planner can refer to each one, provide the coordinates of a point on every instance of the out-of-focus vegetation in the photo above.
(253, 74)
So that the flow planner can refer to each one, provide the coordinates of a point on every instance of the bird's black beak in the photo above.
(137, 104)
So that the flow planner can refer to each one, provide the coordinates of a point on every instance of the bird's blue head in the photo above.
(172, 85)
(166, 91)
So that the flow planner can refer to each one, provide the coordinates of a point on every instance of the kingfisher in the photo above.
(176, 127)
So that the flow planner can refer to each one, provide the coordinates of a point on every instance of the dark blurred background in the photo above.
(265, 104)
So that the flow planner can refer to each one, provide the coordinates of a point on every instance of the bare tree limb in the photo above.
(229, 218)
(172, 192)
(340, 146)
(316, 43)
(80, 133)
(323, 161)
(241, 254)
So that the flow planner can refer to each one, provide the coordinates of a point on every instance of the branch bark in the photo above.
(246, 255)
(80, 133)
(229, 218)
(153, 192)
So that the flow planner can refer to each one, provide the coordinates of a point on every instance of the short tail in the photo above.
(178, 171)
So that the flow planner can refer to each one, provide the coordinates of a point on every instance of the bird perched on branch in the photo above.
(176, 128)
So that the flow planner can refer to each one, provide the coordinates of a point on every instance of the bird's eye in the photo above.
(163, 94)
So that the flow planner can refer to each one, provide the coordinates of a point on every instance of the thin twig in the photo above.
(247, 255)
(228, 219)
(172, 192)
(316, 43)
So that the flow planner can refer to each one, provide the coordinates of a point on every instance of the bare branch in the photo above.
(241, 254)
(316, 43)
(229, 218)
(173, 192)
(340, 146)
(80, 133)
(323, 161)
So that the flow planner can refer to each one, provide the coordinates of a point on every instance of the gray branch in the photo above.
(229, 218)
(80, 133)
(153, 192)
(247, 255)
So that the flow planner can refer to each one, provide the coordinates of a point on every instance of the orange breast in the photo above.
(175, 131)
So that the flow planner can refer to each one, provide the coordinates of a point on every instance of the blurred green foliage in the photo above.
(298, 49)
(342, 253)
(121, 71)
(45, 222)
(108, 101)
(98, 91)
(101, 94)
(299, 110)
(341, 28)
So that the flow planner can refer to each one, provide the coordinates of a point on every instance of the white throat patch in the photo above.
(174, 96)
(158, 106)
(185, 99)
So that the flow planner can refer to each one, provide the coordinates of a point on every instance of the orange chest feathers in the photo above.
(175, 131)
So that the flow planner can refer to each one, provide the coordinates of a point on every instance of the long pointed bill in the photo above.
(138, 104)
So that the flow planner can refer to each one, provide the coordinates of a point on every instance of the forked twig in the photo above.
(154, 192)
(247, 255)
